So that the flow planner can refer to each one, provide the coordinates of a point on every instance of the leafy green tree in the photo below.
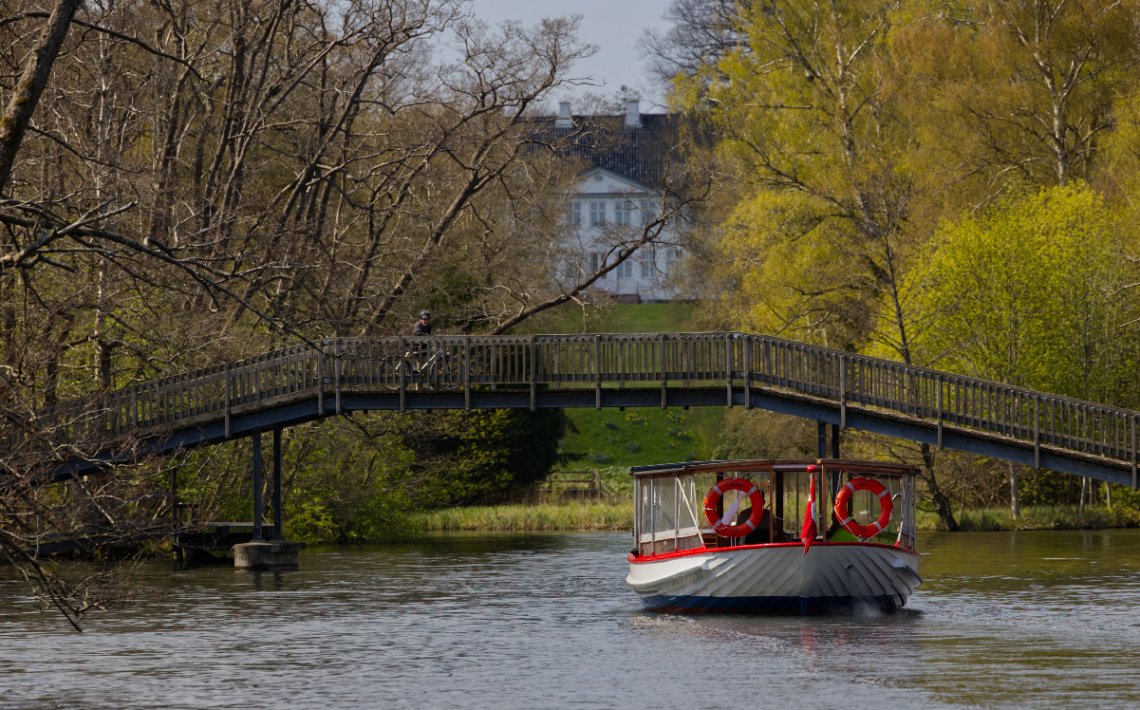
(1025, 294)
(1029, 294)
(832, 217)
(821, 241)
(479, 456)
(1019, 88)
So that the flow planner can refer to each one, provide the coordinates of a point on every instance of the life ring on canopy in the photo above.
(843, 513)
(734, 484)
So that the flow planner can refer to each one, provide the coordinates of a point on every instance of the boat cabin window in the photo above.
(666, 516)
(878, 505)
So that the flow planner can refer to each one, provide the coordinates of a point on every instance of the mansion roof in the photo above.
(645, 153)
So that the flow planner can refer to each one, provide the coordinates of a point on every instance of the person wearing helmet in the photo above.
(423, 325)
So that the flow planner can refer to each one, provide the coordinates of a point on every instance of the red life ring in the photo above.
(734, 484)
(843, 513)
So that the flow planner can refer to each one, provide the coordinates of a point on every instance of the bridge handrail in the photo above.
(604, 360)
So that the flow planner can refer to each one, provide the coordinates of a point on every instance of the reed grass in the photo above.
(545, 517)
(597, 516)
(1053, 517)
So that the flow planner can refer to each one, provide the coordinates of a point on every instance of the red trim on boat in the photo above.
(709, 551)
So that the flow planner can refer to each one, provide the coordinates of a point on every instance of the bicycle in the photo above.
(437, 371)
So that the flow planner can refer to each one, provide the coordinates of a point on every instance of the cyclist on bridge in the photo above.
(423, 325)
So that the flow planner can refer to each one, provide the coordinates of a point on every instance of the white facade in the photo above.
(607, 211)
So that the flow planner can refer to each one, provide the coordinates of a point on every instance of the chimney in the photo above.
(633, 113)
(564, 115)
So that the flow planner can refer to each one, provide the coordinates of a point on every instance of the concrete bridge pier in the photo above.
(274, 553)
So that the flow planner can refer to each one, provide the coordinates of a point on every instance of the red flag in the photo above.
(810, 527)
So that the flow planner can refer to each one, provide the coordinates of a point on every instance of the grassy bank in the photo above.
(637, 436)
(640, 436)
(593, 516)
(531, 518)
(1058, 517)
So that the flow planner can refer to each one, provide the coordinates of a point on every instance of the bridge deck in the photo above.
(330, 377)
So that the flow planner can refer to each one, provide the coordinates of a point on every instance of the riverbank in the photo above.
(1060, 517)
(595, 516)
(542, 517)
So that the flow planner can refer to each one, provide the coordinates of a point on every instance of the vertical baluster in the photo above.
(403, 378)
(338, 373)
(320, 386)
(747, 343)
(728, 366)
(533, 376)
(467, 373)
(597, 372)
(685, 364)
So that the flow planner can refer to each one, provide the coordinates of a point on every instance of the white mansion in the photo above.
(618, 195)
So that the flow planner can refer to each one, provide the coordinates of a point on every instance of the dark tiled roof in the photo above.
(646, 153)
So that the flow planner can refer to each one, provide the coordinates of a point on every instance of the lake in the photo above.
(1003, 620)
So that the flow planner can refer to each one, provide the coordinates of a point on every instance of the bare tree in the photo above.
(702, 32)
(186, 183)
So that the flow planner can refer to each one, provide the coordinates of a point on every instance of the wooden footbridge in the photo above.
(335, 376)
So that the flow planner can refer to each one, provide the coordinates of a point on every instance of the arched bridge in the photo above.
(330, 377)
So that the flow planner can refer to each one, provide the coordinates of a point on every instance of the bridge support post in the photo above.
(822, 430)
(277, 511)
(1134, 481)
(275, 554)
(258, 504)
(834, 441)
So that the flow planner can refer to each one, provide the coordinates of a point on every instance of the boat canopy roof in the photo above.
(875, 468)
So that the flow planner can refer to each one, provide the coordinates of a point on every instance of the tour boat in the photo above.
(760, 544)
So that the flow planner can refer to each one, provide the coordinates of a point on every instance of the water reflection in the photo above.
(1033, 620)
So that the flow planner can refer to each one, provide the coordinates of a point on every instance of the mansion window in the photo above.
(597, 213)
(623, 209)
(576, 213)
(625, 270)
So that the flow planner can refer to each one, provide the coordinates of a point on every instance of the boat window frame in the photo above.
(649, 480)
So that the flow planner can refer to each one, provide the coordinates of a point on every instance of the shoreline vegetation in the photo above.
(597, 500)
(597, 516)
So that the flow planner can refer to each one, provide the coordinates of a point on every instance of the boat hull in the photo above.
(778, 579)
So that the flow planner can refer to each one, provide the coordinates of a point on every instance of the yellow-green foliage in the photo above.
(1028, 293)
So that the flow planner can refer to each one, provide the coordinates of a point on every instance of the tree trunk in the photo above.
(31, 85)
(1107, 495)
(1014, 494)
(942, 503)
(1084, 494)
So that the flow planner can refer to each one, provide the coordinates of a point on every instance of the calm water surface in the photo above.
(1003, 620)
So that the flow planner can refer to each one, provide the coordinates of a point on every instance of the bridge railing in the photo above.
(472, 363)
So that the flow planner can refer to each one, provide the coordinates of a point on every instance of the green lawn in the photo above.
(639, 436)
